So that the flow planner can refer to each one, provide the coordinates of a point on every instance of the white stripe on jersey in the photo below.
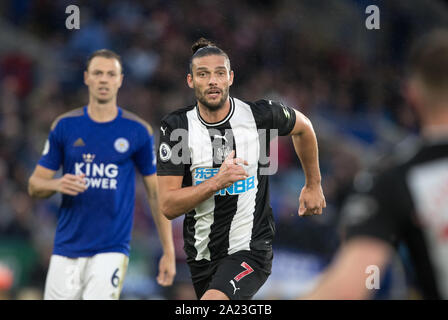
(201, 151)
(247, 147)
(427, 183)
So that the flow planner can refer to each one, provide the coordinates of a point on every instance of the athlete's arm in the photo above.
(42, 185)
(175, 200)
(167, 264)
(346, 278)
(311, 199)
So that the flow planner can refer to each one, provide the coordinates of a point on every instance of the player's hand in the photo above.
(311, 200)
(231, 171)
(167, 270)
(71, 184)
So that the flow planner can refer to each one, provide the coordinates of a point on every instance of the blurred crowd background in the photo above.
(316, 56)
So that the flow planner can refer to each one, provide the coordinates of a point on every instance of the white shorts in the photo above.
(99, 277)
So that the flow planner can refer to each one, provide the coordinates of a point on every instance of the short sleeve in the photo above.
(172, 149)
(52, 155)
(274, 115)
(144, 157)
(374, 213)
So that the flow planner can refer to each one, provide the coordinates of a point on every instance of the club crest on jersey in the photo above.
(164, 151)
(121, 145)
(221, 146)
(223, 152)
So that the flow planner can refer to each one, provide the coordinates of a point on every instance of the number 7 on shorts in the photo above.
(248, 270)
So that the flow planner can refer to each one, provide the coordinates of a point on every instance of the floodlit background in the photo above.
(316, 56)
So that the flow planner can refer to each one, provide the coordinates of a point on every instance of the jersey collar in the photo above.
(86, 114)
(215, 124)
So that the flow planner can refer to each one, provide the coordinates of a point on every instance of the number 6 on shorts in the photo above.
(115, 280)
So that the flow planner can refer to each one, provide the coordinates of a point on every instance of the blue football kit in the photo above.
(100, 219)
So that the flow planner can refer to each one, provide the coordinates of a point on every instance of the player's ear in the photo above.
(231, 78)
(121, 80)
(412, 92)
(190, 81)
(86, 77)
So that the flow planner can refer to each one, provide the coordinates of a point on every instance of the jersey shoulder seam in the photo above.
(174, 118)
(69, 114)
(133, 117)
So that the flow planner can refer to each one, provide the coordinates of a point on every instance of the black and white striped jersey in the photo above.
(238, 217)
(408, 204)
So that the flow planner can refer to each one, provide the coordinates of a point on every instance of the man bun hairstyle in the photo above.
(204, 47)
(201, 43)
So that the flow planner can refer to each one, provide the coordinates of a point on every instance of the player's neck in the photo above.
(211, 116)
(435, 125)
(102, 112)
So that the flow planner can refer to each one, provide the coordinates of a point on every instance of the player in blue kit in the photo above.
(98, 146)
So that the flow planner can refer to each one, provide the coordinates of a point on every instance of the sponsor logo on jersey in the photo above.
(241, 186)
(121, 145)
(97, 175)
(234, 287)
(217, 136)
(79, 143)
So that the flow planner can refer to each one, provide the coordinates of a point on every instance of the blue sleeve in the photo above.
(144, 157)
(52, 155)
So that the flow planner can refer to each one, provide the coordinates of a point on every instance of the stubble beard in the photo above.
(103, 100)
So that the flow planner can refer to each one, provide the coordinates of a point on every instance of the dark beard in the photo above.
(212, 107)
